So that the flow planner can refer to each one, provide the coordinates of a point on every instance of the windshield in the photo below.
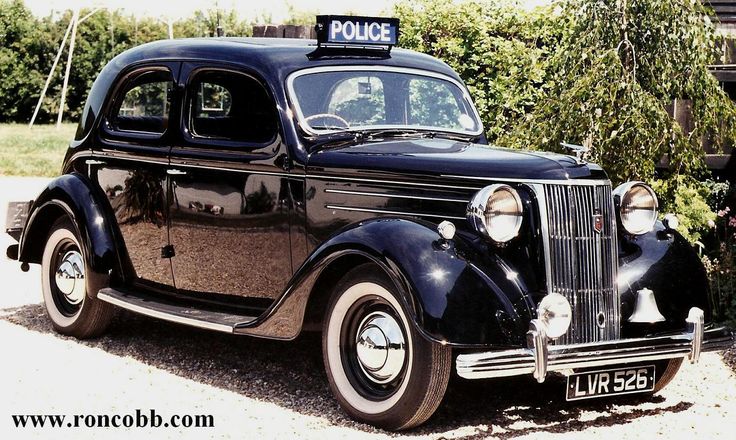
(353, 99)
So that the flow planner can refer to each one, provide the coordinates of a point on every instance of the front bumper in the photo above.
(541, 357)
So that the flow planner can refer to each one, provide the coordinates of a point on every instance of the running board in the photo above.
(170, 311)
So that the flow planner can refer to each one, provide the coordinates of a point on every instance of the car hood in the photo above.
(449, 160)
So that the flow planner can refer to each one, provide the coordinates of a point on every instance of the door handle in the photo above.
(94, 162)
(175, 172)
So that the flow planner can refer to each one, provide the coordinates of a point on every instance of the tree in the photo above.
(21, 50)
(204, 24)
(618, 65)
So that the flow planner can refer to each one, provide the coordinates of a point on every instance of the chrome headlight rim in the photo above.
(476, 213)
(621, 193)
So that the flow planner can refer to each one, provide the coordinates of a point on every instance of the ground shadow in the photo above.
(291, 375)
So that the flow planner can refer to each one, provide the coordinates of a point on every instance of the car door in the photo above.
(229, 209)
(131, 159)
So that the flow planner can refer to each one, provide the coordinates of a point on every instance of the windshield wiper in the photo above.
(394, 132)
(408, 133)
(336, 139)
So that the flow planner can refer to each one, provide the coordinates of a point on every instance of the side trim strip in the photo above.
(394, 196)
(232, 170)
(179, 163)
(165, 316)
(586, 182)
(394, 182)
(384, 211)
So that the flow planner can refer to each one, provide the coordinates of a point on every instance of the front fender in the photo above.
(453, 295)
(75, 196)
(666, 263)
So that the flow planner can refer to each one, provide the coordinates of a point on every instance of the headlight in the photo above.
(555, 312)
(637, 206)
(496, 212)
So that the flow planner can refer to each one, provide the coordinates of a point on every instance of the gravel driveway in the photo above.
(265, 389)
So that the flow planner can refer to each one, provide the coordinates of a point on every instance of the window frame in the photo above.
(118, 96)
(211, 142)
(294, 102)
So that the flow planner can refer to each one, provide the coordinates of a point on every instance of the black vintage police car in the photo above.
(266, 187)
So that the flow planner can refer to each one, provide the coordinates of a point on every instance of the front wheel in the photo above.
(66, 282)
(380, 369)
(665, 372)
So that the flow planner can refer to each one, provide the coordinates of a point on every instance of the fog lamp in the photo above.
(555, 312)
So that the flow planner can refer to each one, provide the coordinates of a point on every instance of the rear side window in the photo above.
(144, 103)
(232, 107)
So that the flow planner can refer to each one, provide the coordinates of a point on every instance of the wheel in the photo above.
(65, 282)
(380, 369)
(665, 371)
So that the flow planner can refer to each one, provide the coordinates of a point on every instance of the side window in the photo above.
(359, 101)
(144, 104)
(230, 106)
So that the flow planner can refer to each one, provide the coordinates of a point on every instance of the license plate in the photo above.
(592, 384)
(16, 215)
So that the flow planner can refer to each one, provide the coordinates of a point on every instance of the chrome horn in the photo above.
(646, 309)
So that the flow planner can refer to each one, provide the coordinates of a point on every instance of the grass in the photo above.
(38, 151)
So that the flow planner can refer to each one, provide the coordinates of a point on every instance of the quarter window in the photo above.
(145, 103)
(232, 107)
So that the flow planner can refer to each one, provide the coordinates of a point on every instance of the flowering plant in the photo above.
(720, 264)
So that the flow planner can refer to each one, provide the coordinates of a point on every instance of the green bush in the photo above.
(499, 50)
(690, 200)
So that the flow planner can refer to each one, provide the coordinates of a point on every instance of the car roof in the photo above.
(274, 58)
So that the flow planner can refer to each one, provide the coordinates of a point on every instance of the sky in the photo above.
(247, 9)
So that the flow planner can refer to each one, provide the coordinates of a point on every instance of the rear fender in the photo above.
(76, 197)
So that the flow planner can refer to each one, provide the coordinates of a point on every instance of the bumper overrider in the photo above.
(540, 357)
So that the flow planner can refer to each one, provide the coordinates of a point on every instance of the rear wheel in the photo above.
(380, 369)
(66, 282)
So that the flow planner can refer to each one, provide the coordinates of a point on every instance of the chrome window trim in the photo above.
(294, 103)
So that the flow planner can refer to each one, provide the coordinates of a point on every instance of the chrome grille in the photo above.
(583, 262)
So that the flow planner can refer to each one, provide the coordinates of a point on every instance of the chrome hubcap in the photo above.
(380, 347)
(70, 277)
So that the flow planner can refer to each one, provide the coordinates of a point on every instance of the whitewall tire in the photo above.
(66, 282)
(380, 369)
